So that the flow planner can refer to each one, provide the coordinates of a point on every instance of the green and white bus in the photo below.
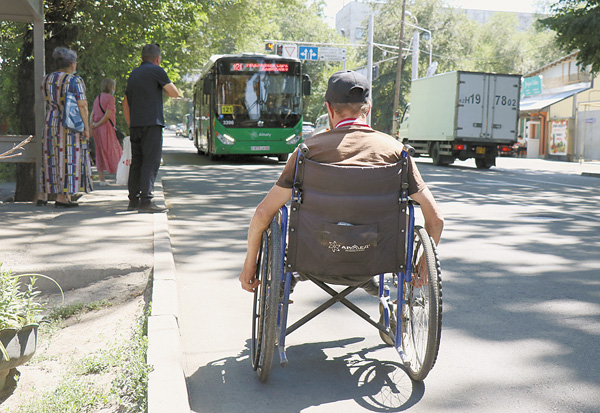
(249, 104)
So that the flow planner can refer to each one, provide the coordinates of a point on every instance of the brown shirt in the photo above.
(357, 146)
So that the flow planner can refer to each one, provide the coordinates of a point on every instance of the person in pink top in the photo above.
(108, 149)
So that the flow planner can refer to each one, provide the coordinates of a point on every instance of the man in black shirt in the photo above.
(143, 110)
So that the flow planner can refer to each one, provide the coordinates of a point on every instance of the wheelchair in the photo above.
(364, 228)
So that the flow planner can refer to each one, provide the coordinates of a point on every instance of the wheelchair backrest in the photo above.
(347, 223)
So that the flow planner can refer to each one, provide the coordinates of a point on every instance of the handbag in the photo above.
(124, 163)
(71, 115)
(118, 132)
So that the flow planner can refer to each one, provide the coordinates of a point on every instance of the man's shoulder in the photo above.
(147, 67)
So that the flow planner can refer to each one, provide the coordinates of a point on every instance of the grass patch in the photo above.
(122, 366)
(131, 384)
(67, 311)
(73, 395)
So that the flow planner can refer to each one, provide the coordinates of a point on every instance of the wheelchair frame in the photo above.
(417, 305)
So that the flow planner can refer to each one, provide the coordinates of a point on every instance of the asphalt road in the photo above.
(521, 288)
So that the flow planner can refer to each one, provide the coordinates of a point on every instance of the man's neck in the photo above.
(347, 120)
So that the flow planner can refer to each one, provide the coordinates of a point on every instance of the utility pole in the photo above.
(370, 63)
(398, 74)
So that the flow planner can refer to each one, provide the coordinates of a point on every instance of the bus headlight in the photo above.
(225, 139)
(293, 139)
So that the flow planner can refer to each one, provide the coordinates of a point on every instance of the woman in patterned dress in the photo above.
(108, 149)
(66, 167)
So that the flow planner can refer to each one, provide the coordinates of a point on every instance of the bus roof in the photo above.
(216, 57)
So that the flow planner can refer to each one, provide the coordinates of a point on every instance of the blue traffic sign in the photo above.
(308, 53)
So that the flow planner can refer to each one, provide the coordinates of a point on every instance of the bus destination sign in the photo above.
(259, 67)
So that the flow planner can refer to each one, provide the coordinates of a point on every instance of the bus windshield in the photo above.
(265, 99)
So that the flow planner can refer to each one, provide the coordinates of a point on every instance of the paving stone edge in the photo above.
(167, 388)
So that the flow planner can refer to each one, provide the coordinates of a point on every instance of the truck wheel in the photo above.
(438, 159)
(484, 163)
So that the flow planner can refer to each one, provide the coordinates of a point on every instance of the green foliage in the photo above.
(452, 40)
(97, 363)
(458, 43)
(18, 307)
(73, 395)
(79, 390)
(243, 26)
(11, 40)
(577, 26)
(112, 33)
(304, 22)
(131, 385)
(7, 172)
(67, 311)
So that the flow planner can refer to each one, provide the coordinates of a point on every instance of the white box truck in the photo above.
(462, 115)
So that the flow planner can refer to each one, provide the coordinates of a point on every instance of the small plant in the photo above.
(19, 307)
(131, 384)
(68, 311)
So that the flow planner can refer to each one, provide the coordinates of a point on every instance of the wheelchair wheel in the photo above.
(266, 302)
(422, 311)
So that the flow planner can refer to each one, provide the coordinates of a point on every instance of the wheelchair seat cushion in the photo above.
(349, 223)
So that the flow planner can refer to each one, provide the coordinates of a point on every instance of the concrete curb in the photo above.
(167, 388)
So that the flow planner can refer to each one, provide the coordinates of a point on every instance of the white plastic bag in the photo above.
(124, 163)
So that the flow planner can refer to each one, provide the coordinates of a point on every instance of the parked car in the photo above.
(180, 131)
(307, 129)
(321, 124)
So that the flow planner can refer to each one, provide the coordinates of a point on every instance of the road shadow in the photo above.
(311, 379)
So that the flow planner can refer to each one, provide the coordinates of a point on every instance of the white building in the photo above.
(351, 21)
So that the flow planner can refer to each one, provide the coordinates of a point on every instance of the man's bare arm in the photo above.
(171, 90)
(265, 211)
(434, 221)
(126, 110)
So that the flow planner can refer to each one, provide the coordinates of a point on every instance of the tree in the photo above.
(452, 41)
(459, 43)
(108, 36)
(577, 26)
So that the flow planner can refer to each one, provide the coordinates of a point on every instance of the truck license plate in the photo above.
(480, 149)
(260, 148)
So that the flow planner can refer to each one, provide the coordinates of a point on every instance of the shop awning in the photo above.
(539, 102)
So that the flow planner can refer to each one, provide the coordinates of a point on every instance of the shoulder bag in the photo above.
(120, 134)
(71, 115)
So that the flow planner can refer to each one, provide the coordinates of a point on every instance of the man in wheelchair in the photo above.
(351, 142)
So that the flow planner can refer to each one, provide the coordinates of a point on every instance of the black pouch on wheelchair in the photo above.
(347, 222)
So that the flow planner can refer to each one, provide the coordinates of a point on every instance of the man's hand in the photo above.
(420, 276)
(248, 278)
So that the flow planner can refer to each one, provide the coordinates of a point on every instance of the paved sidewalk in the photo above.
(98, 240)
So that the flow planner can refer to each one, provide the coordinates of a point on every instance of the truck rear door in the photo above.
(472, 102)
(503, 107)
(487, 106)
